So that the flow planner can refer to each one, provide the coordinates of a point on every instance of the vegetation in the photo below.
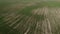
(29, 17)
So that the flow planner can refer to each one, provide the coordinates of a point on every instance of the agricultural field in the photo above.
(29, 17)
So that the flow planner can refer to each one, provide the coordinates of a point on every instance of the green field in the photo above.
(29, 17)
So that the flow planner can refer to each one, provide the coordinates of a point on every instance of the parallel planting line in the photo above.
(16, 22)
(10, 21)
(23, 22)
(25, 26)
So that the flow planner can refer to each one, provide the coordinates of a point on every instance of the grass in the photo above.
(26, 11)
(52, 4)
